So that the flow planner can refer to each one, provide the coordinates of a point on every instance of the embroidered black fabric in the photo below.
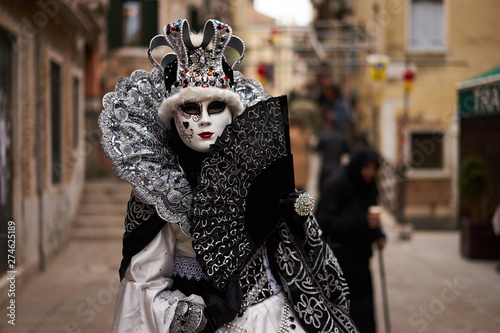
(192, 287)
(312, 278)
(247, 146)
(142, 224)
(254, 282)
(305, 265)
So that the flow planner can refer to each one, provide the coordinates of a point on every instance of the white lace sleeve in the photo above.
(144, 301)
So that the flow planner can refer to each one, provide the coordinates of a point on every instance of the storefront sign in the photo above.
(480, 100)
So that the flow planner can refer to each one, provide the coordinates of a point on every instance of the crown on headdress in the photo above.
(202, 66)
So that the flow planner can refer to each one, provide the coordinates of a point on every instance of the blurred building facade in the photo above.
(272, 56)
(442, 42)
(49, 52)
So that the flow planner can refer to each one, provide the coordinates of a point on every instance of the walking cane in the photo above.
(384, 292)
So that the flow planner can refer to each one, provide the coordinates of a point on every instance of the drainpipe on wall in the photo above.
(39, 183)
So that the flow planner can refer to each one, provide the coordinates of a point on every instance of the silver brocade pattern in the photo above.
(250, 91)
(314, 280)
(137, 212)
(135, 139)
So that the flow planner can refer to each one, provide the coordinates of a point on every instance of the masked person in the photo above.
(348, 225)
(192, 261)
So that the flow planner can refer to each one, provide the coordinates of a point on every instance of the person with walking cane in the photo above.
(351, 228)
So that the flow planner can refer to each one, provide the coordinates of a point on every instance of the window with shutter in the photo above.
(426, 25)
(427, 150)
(132, 23)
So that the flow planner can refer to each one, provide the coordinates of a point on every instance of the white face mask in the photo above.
(199, 124)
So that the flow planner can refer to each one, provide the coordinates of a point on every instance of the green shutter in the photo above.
(150, 20)
(115, 24)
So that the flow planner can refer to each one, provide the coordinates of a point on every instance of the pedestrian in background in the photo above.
(349, 227)
(304, 126)
(332, 142)
(332, 146)
(333, 108)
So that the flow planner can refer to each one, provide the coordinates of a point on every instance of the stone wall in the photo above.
(42, 32)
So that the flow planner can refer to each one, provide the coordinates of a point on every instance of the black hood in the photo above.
(358, 159)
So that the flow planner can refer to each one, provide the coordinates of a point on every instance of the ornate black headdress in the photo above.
(191, 65)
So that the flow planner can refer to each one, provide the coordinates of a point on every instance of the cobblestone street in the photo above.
(431, 288)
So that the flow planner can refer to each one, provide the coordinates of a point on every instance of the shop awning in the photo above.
(480, 95)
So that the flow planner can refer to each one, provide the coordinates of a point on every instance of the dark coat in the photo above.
(331, 145)
(341, 213)
(343, 207)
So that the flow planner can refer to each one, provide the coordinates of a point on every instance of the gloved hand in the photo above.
(222, 309)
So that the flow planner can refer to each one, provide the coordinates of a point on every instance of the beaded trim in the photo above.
(236, 328)
(284, 325)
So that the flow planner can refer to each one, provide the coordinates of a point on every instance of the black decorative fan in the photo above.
(236, 205)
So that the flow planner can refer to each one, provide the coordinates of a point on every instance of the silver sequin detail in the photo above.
(136, 141)
(174, 196)
(121, 114)
(161, 185)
